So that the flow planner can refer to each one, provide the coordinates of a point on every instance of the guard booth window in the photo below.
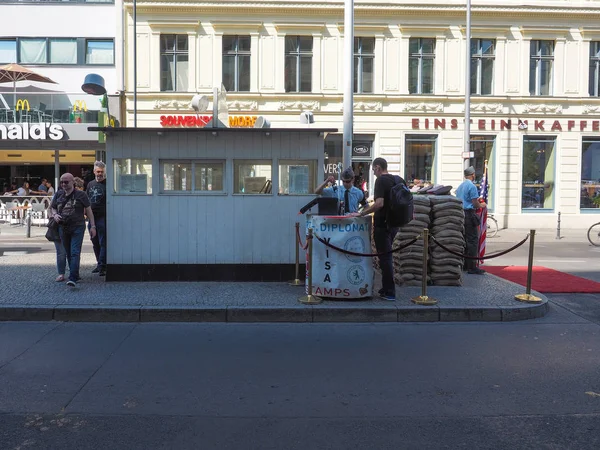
(252, 176)
(297, 177)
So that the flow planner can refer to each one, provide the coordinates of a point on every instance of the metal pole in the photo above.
(348, 82)
(56, 169)
(297, 281)
(558, 227)
(134, 65)
(309, 299)
(423, 299)
(527, 297)
(28, 222)
(467, 87)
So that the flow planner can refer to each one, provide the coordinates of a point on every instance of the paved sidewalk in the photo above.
(30, 293)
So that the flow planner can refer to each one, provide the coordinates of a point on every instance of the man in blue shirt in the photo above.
(350, 195)
(467, 192)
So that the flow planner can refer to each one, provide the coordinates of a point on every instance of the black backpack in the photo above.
(400, 207)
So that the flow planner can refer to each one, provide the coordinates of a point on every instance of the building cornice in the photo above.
(336, 8)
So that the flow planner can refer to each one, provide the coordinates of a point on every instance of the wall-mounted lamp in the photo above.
(214, 133)
(268, 133)
(159, 133)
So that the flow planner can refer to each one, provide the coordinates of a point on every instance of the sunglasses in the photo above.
(64, 182)
(346, 181)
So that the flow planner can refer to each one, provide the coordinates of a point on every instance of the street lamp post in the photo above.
(467, 149)
(348, 82)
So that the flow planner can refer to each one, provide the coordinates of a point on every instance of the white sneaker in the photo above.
(71, 283)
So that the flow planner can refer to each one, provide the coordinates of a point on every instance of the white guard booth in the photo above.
(336, 274)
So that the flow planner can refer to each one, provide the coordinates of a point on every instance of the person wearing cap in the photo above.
(350, 195)
(467, 192)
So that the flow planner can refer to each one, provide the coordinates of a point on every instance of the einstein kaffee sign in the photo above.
(31, 131)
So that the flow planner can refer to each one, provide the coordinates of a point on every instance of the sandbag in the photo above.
(453, 221)
(447, 213)
(436, 200)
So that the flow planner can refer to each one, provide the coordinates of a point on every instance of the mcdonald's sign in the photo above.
(79, 104)
(22, 104)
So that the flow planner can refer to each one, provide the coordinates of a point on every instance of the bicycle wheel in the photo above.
(594, 234)
(492, 227)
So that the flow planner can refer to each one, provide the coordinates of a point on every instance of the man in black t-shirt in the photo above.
(68, 208)
(96, 191)
(382, 234)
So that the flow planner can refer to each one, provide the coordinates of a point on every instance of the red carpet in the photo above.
(544, 280)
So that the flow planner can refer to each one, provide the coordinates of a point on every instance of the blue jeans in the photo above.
(384, 238)
(72, 239)
(61, 257)
(99, 242)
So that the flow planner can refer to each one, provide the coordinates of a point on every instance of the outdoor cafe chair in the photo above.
(38, 213)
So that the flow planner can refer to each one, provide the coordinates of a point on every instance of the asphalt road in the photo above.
(519, 385)
(574, 255)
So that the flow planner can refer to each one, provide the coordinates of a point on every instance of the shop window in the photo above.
(174, 62)
(8, 51)
(482, 148)
(252, 176)
(594, 81)
(63, 51)
(298, 63)
(33, 51)
(236, 63)
(133, 176)
(192, 176)
(364, 57)
(419, 159)
(539, 158)
(590, 173)
(482, 66)
(99, 51)
(297, 177)
(420, 65)
(540, 67)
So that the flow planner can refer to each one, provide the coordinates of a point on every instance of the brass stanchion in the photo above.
(310, 299)
(527, 297)
(423, 299)
(297, 281)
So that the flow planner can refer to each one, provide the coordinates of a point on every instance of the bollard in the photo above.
(309, 299)
(423, 299)
(28, 221)
(527, 297)
(297, 281)
(558, 227)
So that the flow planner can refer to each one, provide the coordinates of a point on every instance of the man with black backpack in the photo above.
(393, 209)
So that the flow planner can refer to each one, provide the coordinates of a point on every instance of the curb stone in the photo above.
(319, 313)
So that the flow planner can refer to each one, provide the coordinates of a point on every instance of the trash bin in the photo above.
(336, 274)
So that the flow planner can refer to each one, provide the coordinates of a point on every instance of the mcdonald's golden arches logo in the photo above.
(22, 104)
(80, 104)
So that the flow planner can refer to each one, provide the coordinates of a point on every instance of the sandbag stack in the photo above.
(445, 269)
(408, 262)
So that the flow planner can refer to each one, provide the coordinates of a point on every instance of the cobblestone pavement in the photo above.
(28, 273)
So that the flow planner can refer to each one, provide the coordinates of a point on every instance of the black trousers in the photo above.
(384, 238)
(471, 232)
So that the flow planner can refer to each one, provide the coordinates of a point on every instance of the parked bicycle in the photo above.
(492, 226)
(593, 234)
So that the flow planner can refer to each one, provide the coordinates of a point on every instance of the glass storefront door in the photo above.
(590, 173)
(539, 168)
(419, 159)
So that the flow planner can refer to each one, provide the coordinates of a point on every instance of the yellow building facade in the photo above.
(535, 85)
